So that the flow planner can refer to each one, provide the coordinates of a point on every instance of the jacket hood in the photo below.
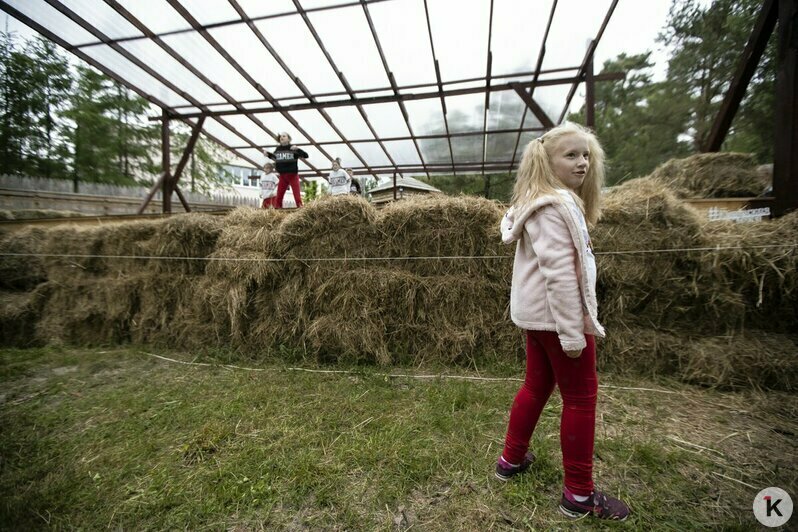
(512, 225)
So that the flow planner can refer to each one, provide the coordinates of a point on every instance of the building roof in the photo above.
(405, 183)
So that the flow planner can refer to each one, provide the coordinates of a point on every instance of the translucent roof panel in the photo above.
(518, 30)
(406, 45)
(467, 149)
(126, 70)
(461, 42)
(157, 15)
(505, 110)
(465, 112)
(152, 54)
(387, 119)
(315, 56)
(500, 146)
(349, 122)
(197, 51)
(292, 39)
(373, 153)
(259, 8)
(52, 20)
(223, 133)
(249, 129)
(343, 31)
(103, 17)
(426, 116)
(245, 47)
(278, 123)
(435, 151)
(403, 151)
(342, 151)
(552, 99)
(210, 12)
(567, 41)
(315, 124)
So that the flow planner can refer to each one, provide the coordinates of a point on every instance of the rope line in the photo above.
(386, 375)
(365, 259)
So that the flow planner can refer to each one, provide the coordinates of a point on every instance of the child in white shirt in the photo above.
(338, 179)
(268, 187)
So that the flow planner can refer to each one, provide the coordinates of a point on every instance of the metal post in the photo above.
(394, 186)
(785, 160)
(168, 184)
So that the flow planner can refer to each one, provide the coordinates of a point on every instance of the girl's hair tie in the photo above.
(540, 139)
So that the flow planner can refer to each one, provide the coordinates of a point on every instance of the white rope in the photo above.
(387, 375)
(363, 259)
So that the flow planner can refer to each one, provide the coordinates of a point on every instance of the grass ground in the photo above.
(117, 438)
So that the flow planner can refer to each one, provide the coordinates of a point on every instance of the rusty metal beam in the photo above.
(391, 79)
(412, 96)
(487, 92)
(133, 59)
(438, 78)
(588, 56)
(244, 18)
(513, 76)
(168, 185)
(475, 166)
(191, 68)
(341, 78)
(749, 60)
(422, 137)
(238, 68)
(188, 151)
(785, 157)
(533, 106)
(538, 65)
(306, 93)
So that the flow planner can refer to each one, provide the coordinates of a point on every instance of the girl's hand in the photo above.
(293, 147)
(574, 353)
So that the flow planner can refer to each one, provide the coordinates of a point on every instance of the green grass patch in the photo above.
(115, 438)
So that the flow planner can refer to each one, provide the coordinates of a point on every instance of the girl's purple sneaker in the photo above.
(598, 505)
(504, 471)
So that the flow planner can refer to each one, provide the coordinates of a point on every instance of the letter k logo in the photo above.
(772, 506)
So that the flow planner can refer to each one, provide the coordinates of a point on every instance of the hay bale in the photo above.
(742, 360)
(189, 236)
(663, 288)
(331, 227)
(442, 226)
(98, 311)
(712, 175)
(22, 272)
(249, 236)
(759, 261)
(19, 312)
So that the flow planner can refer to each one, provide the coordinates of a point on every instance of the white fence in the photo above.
(41, 184)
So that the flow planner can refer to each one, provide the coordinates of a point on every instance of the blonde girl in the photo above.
(553, 298)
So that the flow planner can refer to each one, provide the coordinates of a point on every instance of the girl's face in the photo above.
(570, 160)
(268, 168)
(284, 139)
(336, 166)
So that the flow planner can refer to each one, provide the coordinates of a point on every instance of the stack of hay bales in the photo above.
(712, 175)
(426, 280)
(91, 289)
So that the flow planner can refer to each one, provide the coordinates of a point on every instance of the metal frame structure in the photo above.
(195, 112)
(785, 160)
